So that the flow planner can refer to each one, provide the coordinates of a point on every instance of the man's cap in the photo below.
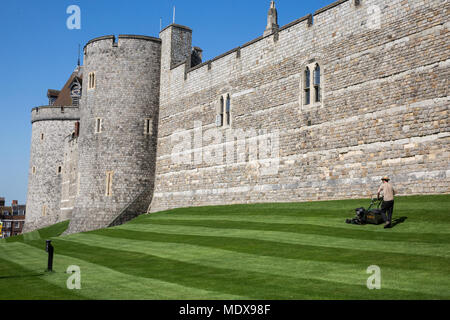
(385, 178)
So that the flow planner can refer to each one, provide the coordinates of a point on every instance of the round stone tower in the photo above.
(50, 126)
(118, 119)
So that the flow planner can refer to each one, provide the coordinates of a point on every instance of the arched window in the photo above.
(228, 110)
(91, 84)
(317, 83)
(307, 86)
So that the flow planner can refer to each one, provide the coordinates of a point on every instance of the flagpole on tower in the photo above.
(174, 14)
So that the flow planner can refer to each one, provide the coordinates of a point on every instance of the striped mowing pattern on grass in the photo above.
(97, 281)
(270, 251)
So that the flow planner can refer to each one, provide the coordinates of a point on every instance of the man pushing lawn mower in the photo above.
(377, 215)
(388, 201)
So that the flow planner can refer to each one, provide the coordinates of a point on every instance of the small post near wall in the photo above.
(49, 249)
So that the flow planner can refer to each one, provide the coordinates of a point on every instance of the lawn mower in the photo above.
(370, 216)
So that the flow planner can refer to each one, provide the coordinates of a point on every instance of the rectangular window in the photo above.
(78, 184)
(220, 115)
(307, 96)
(317, 77)
(98, 125)
(44, 211)
(317, 83)
(42, 136)
(317, 93)
(33, 170)
(307, 86)
(59, 170)
(148, 126)
(109, 177)
(16, 224)
(228, 110)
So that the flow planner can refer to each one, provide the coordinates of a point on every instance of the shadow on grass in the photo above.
(398, 221)
(23, 276)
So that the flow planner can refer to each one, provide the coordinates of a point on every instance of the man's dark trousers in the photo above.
(387, 207)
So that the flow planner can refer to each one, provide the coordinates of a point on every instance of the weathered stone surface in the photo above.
(384, 110)
(50, 127)
(126, 93)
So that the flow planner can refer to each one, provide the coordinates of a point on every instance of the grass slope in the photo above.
(259, 251)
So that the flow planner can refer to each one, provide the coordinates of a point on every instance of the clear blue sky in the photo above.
(38, 52)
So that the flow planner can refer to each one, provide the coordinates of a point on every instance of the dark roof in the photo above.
(52, 93)
(64, 99)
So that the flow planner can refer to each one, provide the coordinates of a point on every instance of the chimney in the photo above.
(196, 56)
(52, 95)
(15, 202)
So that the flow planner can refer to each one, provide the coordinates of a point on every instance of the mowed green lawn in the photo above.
(260, 251)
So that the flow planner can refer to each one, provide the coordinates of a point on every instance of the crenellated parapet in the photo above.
(52, 113)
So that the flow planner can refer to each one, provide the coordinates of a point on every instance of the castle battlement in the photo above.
(121, 40)
(50, 113)
(307, 27)
(273, 45)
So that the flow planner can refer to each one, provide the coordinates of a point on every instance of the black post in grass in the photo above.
(49, 249)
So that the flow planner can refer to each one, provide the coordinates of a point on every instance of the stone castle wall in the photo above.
(384, 109)
(70, 186)
(126, 93)
(50, 127)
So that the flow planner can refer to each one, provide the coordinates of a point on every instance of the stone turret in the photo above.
(117, 142)
(176, 49)
(272, 19)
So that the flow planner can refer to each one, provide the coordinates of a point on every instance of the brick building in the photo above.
(12, 218)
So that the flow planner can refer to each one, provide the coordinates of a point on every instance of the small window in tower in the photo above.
(228, 110)
(317, 83)
(33, 170)
(221, 112)
(109, 177)
(42, 136)
(59, 169)
(78, 184)
(148, 126)
(98, 125)
(44, 211)
(91, 80)
(307, 86)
